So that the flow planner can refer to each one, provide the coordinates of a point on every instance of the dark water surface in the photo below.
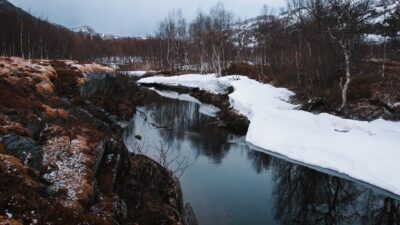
(227, 182)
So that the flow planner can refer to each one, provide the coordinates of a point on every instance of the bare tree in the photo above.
(173, 31)
(221, 22)
(348, 20)
(198, 34)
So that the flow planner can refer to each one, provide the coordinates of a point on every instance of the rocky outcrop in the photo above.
(23, 148)
(62, 160)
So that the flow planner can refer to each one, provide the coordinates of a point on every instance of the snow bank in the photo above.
(208, 83)
(367, 151)
(136, 73)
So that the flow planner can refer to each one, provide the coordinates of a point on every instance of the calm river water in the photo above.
(227, 182)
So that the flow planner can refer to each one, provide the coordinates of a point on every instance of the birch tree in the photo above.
(348, 20)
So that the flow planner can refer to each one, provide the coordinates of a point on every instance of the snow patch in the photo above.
(375, 39)
(209, 83)
(137, 73)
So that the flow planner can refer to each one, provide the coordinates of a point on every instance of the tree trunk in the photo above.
(384, 57)
(217, 62)
(346, 85)
(21, 40)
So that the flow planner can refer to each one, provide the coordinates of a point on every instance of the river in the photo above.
(227, 181)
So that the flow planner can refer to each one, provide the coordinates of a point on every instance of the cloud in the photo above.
(130, 17)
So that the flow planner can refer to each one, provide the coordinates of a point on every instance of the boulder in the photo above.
(24, 149)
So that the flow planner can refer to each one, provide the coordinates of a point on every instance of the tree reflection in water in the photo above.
(304, 196)
(185, 121)
(261, 162)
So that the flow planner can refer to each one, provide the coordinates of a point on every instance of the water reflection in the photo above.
(229, 183)
(261, 162)
(180, 120)
(305, 196)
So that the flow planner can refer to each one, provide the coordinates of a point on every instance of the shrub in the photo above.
(240, 69)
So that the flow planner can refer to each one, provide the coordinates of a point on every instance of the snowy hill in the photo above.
(244, 32)
(380, 19)
(110, 37)
(87, 30)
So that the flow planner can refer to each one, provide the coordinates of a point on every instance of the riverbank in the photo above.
(346, 146)
(62, 159)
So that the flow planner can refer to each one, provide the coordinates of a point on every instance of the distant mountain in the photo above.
(87, 30)
(110, 37)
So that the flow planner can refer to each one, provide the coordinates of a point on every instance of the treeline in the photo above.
(313, 45)
(26, 36)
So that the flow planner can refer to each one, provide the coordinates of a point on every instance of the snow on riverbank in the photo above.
(136, 73)
(367, 151)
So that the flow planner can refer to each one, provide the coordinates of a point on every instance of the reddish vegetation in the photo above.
(41, 100)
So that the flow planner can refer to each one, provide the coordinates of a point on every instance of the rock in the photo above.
(98, 154)
(316, 105)
(98, 84)
(24, 149)
(190, 216)
(139, 137)
(121, 209)
(35, 129)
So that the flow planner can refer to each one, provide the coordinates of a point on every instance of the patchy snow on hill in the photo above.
(84, 29)
(87, 30)
(367, 151)
(375, 38)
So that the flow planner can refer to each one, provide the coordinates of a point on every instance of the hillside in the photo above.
(24, 35)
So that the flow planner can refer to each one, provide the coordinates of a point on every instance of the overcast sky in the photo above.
(131, 17)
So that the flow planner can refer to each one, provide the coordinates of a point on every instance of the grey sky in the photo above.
(131, 17)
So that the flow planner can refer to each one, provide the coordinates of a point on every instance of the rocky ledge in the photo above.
(62, 160)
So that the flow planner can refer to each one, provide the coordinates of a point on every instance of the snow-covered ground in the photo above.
(367, 151)
(375, 39)
(136, 73)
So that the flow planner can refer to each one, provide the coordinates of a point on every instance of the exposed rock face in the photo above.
(156, 201)
(24, 149)
(118, 94)
(75, 143)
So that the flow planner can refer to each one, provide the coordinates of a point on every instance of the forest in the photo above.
(319, 48)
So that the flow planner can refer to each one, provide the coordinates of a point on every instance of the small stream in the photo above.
(228, 182)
